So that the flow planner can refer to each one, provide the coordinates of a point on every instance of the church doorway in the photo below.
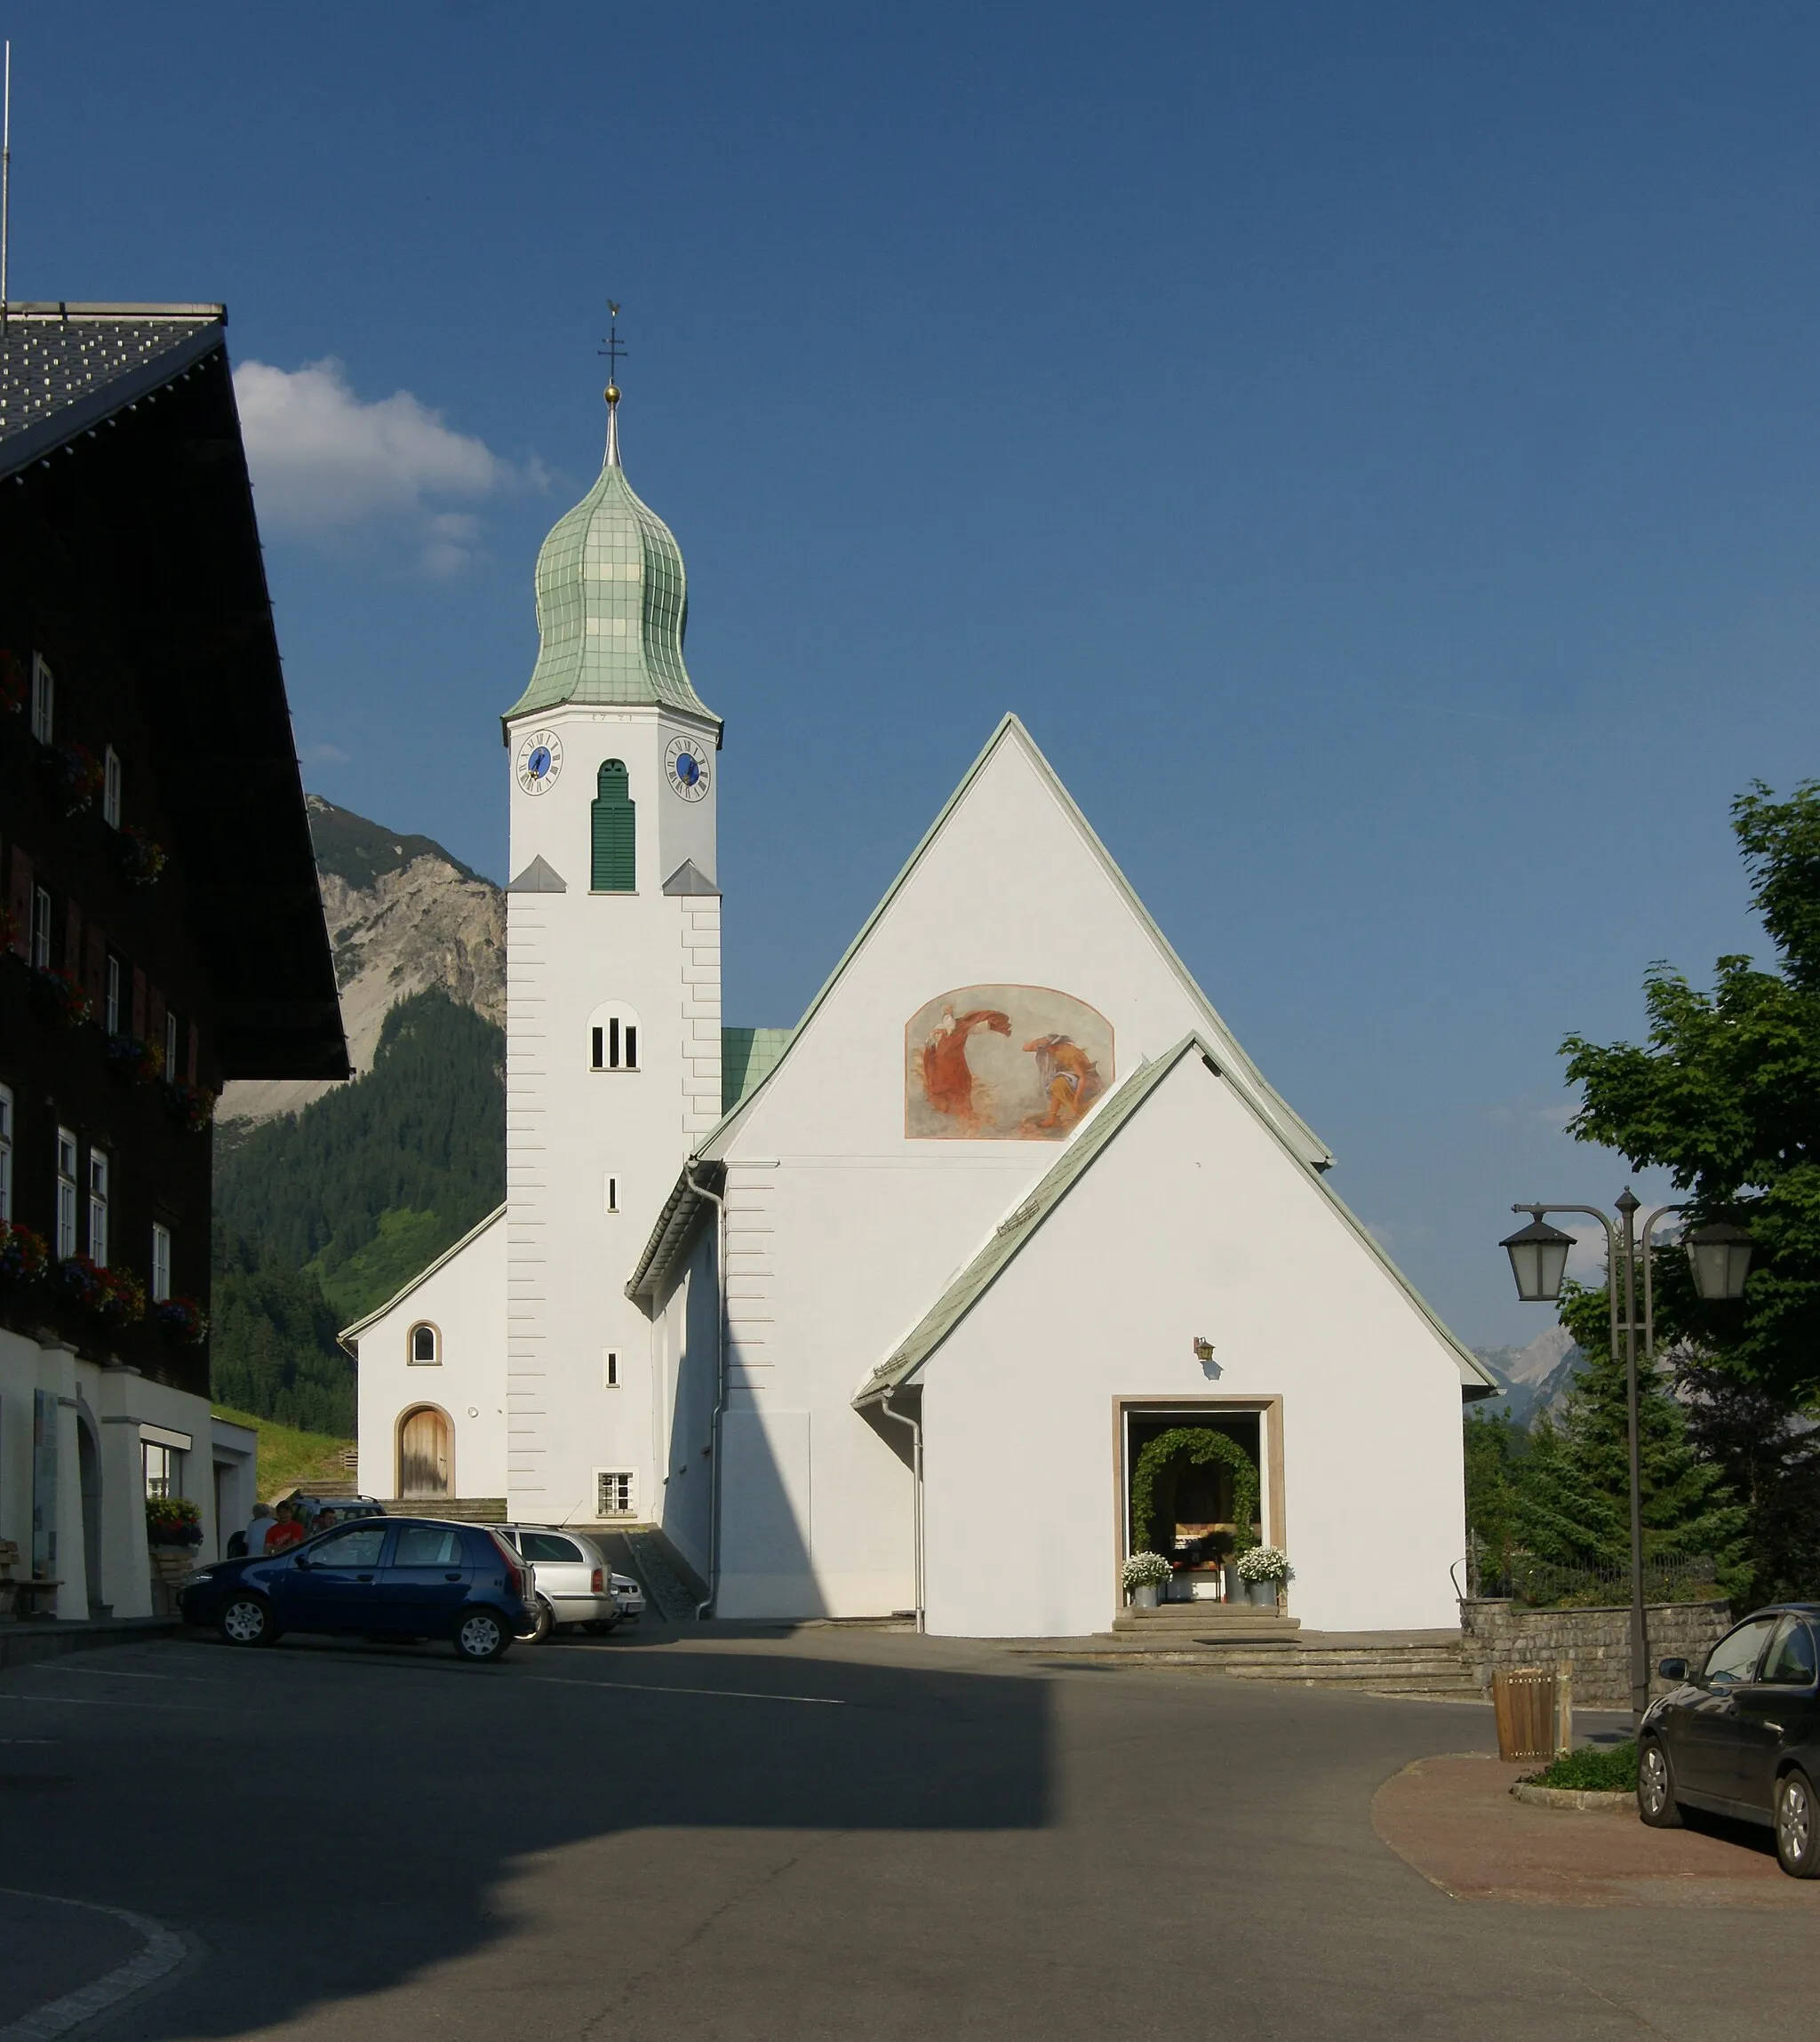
(1197, 1483)
(426, 1452)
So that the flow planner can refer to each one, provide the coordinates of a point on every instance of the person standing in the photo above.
(285, 1532)
(258, 1530)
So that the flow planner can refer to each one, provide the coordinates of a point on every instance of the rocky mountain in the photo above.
(1535, 1378)
(404, 915)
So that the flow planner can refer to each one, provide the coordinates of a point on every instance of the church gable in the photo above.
(1006, 981)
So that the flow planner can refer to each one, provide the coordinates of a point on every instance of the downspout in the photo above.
(714, 1429)
(915, 1426)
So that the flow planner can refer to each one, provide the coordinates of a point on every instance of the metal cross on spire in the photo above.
(613, 348)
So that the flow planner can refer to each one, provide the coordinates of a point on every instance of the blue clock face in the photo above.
(686, 766)
(539, 762)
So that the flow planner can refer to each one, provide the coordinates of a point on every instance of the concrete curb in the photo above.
(160, 1955)
(20, 1644)
(1580, 1797)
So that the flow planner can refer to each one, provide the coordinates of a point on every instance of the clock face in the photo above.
(539, 762)
(686, 766)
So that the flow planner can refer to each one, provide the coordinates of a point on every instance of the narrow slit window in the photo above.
(612, 1370)
(612, 1194)
(613, 1038)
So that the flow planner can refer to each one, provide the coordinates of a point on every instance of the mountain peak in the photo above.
(351, 848)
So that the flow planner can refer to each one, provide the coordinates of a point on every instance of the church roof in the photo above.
(1301, 1138)
(422, 1277)
(1020, 1226)
(612, 605)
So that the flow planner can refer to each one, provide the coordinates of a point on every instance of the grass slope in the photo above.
(290, 1459)
(322, 1215)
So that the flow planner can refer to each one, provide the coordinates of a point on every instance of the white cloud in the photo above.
(321, 756)
(324, 462)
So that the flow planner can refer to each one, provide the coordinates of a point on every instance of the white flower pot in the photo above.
(1262, 1594)
(1144, 1596)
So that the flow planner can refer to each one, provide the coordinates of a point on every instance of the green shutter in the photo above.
(615, 854)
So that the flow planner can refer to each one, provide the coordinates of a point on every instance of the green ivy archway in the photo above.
(1198, 1444)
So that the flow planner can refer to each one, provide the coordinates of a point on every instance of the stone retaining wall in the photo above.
(1596, 1643)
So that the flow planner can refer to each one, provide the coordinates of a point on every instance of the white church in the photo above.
(880, 1314)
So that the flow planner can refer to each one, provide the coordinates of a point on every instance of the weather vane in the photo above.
(612, 348)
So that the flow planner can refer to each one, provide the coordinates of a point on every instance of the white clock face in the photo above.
(686, 766)
(539, 762)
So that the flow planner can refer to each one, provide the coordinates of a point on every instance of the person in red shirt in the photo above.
(286, 1532)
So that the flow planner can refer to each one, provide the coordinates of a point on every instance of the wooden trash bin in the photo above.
(1535, 1710)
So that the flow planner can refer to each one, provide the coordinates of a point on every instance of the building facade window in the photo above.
(41, 928)
(613, 1368)
(170, 1040)
(43, 702)
(65, 1193)
(612, 824)
(110, 788)
(613, 1494)
(163, 1469)
(611, 1202)
(5, 1152)
(613, 1038)
(426, 1345)
(161, 1261)
(98, 1209)
(110, 996)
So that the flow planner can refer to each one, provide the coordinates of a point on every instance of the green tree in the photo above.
(1494, 1452)
(1573, 1497)
(1725, 1096)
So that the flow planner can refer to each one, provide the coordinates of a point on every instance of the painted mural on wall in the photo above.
(1004, 1063)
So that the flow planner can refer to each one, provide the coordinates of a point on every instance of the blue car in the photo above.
(388, 1577)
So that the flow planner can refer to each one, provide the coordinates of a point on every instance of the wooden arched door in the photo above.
(425, 1453)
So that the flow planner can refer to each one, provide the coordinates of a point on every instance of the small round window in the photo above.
(424, 1345)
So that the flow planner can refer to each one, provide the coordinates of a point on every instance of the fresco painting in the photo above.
(1004, 1063)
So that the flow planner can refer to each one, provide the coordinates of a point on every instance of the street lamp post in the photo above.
(1720, 1256)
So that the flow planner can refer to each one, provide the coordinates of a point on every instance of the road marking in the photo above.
(104, 1701)
(162, 1954)
(652, 1688)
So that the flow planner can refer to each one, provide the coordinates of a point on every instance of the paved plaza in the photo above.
(830, 1833)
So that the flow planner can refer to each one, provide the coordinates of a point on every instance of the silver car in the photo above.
(627, 1594)
(573, 1580)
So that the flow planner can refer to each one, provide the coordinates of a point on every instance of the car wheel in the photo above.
(546, 1624)
(480, 1636)
(1797, 1826)
(247, 1620)
(1655, 1801)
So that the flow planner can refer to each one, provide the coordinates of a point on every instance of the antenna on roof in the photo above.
(612, 349)
(5, 176)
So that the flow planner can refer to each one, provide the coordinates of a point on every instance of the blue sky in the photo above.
(1374, 448)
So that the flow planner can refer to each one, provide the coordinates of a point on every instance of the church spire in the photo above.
(613, 349)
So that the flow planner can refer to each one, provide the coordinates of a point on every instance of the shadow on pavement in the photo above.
(331, 1819)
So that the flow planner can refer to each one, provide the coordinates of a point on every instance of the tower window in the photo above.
(613, 1038)
(611, 822)
(612, 1370)
(612, 1197)
(425, 1347)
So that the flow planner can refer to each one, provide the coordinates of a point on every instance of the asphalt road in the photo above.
(679, 1838)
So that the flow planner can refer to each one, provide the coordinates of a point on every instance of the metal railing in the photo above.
(1544, 1585)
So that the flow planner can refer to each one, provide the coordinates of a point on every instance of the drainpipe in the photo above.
(713, 1431)
(916, 1496)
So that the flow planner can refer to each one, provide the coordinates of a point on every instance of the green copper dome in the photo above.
(612, 605)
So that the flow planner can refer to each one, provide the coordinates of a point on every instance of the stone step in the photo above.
(456, 1509)
(1208, 1619)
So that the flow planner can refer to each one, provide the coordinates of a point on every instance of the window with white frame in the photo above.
(426, 1345)
(110, 788)
(5, 1152)
(41, 928)
(161, 1261)
(65, 1193)
(98, 1209)
(110, 998)
(612, 1493)
(613, 1038)
(43, 702)
(164, 1467)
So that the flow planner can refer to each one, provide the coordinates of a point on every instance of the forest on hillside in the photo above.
(322, 1215)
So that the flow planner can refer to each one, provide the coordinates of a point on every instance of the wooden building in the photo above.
(160, 926)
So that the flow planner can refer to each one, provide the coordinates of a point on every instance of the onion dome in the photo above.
(612, 604)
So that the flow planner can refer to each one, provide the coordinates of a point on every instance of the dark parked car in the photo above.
(388, 1577)
(1742, 1737)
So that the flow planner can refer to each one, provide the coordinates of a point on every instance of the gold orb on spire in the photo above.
(612, 393)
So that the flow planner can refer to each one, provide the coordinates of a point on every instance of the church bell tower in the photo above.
(613, 996)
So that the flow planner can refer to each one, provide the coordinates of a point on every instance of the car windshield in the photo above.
(1734, 1657)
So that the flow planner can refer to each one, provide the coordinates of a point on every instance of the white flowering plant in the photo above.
(1263, 1563)
(1146, 1570)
